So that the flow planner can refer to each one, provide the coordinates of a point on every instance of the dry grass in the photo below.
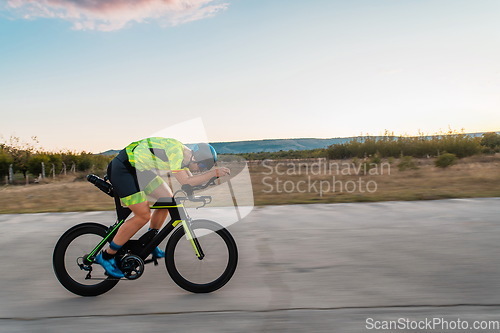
(477, 176)
(61, 196)
(471, 177)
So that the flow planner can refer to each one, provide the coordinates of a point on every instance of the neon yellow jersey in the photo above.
(156, 153)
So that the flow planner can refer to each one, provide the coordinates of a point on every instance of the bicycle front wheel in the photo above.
(84, 279)
(217, 266)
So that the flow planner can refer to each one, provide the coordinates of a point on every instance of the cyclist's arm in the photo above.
(186, 177)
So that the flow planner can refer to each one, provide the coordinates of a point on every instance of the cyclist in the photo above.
(140, 162)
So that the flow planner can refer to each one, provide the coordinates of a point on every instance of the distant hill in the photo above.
(270, 145)
(109, 152)
(273, 145)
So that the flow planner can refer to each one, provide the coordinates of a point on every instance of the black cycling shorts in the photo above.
(123, 177)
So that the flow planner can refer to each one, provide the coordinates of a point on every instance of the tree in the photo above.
(55, 159)
(21, 152)
(5, 161)
(35, 164)
(84, 161)
(490, 140)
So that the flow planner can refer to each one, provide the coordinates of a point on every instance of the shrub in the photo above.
(84, 161)
(490, 140)
(406, 163)
(55, 160)
(445, 160)
(488, 151)
(289, 154)
(35, 164)
(338, 152)
(376, 159)
(462, 145)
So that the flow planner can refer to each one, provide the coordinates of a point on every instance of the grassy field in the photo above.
(470, 177)
(295, 182)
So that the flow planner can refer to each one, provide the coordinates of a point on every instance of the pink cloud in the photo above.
(108, 15)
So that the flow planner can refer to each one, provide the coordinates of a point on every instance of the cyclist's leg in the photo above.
(158, 218)
(160, 215)
(161, 190)
(107, 257)
(142, 214)
(125, 182)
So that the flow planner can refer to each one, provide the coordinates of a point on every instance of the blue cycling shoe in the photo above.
(109, 266)
(158, 253)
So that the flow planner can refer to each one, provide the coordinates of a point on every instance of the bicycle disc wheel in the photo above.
(68, 256)
(214, 270)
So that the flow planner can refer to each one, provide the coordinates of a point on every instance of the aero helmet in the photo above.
(204, 155)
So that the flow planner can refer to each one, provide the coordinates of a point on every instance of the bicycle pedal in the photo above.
(152, 260)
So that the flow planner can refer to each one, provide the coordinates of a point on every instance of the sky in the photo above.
(93, 76)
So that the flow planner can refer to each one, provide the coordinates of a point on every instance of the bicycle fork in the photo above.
(179, 216)
(190, 236)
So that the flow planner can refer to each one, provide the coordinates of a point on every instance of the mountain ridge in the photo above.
(266, 145)
(274, 145)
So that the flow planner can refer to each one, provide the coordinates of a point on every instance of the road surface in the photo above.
(302, 268)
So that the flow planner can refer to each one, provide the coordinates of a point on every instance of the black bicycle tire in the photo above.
(60, 267)
(222, 279)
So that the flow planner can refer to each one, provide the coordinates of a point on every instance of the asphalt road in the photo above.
(303, 268)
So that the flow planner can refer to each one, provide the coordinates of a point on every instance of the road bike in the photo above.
(201, 255)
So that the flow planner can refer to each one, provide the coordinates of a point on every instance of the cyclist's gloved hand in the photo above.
(222, 171)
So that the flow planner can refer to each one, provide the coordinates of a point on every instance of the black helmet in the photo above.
(204, 155)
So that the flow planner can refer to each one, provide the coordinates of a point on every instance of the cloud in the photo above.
(109, 15)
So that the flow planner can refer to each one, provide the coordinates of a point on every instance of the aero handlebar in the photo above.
(189, 189)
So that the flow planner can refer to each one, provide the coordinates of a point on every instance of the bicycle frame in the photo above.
(145, 245)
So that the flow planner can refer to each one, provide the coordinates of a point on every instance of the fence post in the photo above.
(27, 179)
(53, 171)
(6, 180)
(43, 170)
(11, 174)
(73, 167)
(63, 170)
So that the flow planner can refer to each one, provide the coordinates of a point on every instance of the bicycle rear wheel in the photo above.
(214, 270)
(69, 265)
